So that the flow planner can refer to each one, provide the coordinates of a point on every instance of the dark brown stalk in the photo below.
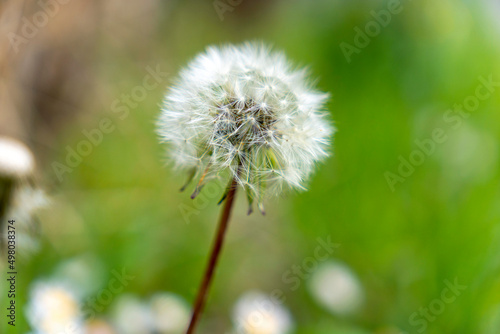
(214, 256)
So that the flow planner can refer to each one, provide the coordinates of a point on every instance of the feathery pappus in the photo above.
(246, 112)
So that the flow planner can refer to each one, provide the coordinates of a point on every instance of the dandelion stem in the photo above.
(214, 256)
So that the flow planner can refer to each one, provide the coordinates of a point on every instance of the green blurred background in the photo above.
(122, 206)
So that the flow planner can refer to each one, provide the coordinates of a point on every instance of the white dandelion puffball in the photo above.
(337, 288)
(16, 159)
(256, 313)
(246, 111)
(54, 308)
(170, 312)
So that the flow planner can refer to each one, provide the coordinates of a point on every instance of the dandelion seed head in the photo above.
(246, 110)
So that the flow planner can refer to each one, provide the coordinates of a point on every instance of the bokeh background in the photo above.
(398, 247)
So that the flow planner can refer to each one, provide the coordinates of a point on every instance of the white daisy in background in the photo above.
(170, 313)
(54, 308)
(245, 111)
(256, 313)
(130, 315)
(337, 288)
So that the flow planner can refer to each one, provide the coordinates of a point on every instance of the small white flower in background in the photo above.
(54, 308)
(247, 112)
(170, 313)
(130, 315)
(337, 288)
(16, 159)
(256, 313)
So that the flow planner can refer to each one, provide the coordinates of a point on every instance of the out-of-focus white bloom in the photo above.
(469, 155)
(256, 313)
(337, 288)
(26, 203)
(245, 110)
(170, 313)
(28, 200)
(54, 308)
(84, 272)
(492, 9)
(131, 316)
(19, 200)
(16, 160)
